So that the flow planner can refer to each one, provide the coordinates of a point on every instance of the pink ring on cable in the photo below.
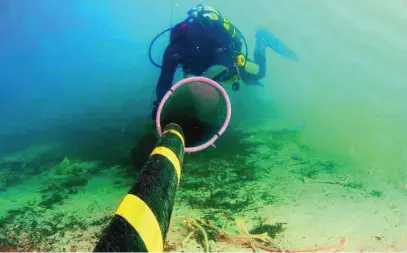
(204, 80)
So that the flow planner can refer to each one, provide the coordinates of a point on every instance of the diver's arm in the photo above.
(172, 57)
(168, 69)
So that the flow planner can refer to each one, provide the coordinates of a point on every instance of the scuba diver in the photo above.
(206, 39)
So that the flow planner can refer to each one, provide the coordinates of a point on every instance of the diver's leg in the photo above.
(266, 39)
(259, 57)
(255, 69)
(259, 54)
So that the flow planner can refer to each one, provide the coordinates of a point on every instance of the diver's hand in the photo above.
(154, 111)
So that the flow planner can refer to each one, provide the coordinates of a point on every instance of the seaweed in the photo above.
(245, 171)
(306, 172)
(268, 198)
(53, 187)
(74, 223)
(296, 157)
(225, 175)
(375, 193)
(48, 201)
(312, 170)
(271, 229)
(74, 182)
(101, 221)
(353, 185)
(69, 178)
(236, 204)
(46, 231)
(15, 212)
(11, 179)
(15, 227)
(12, 215)
(327, 166)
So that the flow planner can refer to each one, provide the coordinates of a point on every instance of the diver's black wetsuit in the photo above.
(197, 47)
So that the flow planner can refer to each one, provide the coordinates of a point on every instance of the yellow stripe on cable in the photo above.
(171, 156)
(177, 134)
(143, 220)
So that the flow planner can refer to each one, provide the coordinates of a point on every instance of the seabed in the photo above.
(261, 189)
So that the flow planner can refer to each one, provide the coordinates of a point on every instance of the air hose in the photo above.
(151, 46)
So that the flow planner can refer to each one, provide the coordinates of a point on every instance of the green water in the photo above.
(321, 148)
(349, 87)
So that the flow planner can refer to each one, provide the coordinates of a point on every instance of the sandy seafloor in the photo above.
(270, 178)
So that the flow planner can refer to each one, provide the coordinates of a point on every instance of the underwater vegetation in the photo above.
(227, 180)
(17, 166)
(224, 183)
(233, 180)
(11, 168)
(66, 178)
(110, 147)
(36, 225)
(353, 185)
(59, 172)
(376, 194)
(22, 231)
(310, 168)
(230, 177)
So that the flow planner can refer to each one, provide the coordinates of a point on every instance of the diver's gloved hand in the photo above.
(154, 111)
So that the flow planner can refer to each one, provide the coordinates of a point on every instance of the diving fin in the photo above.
(265, 38)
